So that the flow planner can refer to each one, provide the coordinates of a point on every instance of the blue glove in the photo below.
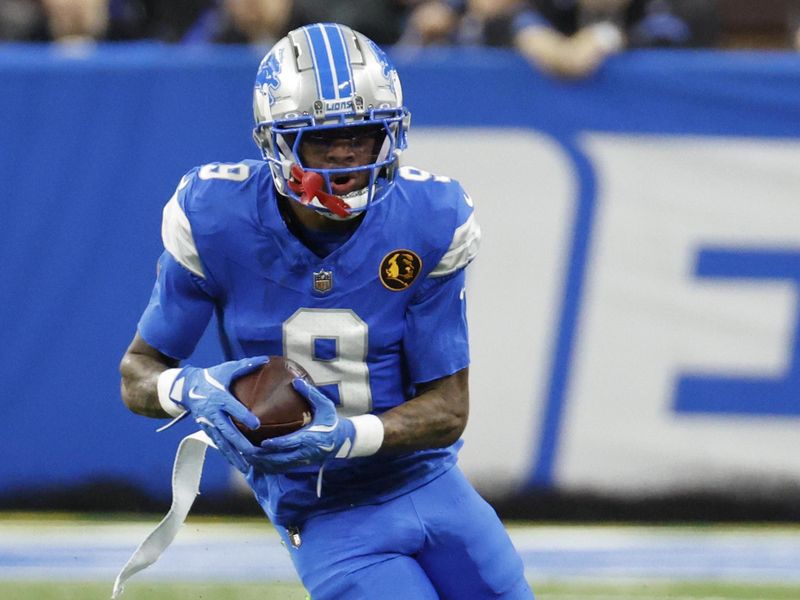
(204, 394)
(327, 436)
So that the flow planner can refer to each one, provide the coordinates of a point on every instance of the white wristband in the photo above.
(165, 381)
(369, 435)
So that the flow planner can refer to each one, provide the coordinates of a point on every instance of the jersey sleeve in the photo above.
(436, 339)
(465, 241)
(176, 230)
(178, 312)
(181, 303)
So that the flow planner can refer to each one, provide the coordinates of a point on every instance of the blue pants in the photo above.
(440, 541)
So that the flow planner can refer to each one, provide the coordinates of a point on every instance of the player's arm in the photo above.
(153, 383)
(140, 368)
(436, 342)
(154, 386)
(435, 418)
(180, 307)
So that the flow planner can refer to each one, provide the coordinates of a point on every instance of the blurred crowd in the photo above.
(566, 38)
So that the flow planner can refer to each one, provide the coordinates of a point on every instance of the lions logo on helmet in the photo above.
(318, 78)
(268, 73)
(389, 72)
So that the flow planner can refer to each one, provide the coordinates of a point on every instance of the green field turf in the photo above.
(275, 591)
(144, 588)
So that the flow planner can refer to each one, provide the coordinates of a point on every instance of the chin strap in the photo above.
(308, 185)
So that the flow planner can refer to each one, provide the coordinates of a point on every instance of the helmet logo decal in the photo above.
(386, 67)
(399, 269)
(334, 75)
(268, 74)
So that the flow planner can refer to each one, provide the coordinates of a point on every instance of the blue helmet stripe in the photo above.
(341, 61)
(322, 62)
(313, 60)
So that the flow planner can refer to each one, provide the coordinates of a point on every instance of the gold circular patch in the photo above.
(399, 269)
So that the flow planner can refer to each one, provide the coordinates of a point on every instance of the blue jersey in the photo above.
(369, 322)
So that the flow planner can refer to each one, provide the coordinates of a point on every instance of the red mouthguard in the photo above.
(308, 185)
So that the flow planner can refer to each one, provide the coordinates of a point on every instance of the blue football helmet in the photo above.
(319, 83)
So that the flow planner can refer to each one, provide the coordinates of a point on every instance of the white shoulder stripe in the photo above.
(463, 248)
(176, 232)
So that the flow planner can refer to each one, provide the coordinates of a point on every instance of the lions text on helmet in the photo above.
(330, 119)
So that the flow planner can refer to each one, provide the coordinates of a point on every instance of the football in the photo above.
(268, 393)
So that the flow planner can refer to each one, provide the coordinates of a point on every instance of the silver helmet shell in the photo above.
(324, 76)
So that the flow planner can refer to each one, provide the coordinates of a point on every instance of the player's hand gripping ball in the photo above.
(268, 393)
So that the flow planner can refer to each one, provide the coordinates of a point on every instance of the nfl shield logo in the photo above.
(323, 281)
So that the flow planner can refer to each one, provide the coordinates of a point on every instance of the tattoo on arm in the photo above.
(140, 367)
(435, 418)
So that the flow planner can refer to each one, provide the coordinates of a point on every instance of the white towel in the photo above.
(186, 474)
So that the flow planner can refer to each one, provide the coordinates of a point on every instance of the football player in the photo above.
(332, 254)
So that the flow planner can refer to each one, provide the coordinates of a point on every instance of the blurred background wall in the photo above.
(634, 311)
